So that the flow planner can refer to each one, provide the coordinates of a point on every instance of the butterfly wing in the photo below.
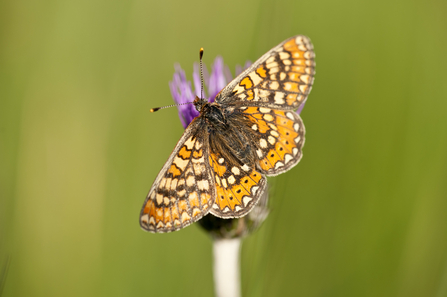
(280, 79)
(280, 138)
(238, 187)
(183, 191)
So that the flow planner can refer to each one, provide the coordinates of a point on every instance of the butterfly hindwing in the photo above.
(183, 191)
(280, 138)
(282, 78)
(238, 187)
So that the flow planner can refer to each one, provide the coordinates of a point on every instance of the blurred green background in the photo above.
(363, 214)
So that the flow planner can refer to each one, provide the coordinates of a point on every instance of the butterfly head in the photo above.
(200, 103)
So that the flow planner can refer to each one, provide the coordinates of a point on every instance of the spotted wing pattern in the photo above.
(281, 138)
(238, 188)
(183, 191)
(282, 78)
(197, 178)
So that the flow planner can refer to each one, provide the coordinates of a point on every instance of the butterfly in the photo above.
(250, 131)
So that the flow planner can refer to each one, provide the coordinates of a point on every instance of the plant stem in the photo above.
(226, 267)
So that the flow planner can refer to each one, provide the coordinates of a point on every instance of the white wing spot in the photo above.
(295, 151)
(264, 110)
(274, 70)
(268, 117)
(185, 217)
(239, 89)
(287, 158)
(254, 190)
(270, 60)
(305, 78)
(235, 171)
(279, 98)
(180, 163)
(290, 115)
(256, 79)
(190, 181)
(174, 184)
(278, 165)
(231, 179)
(255, 127)
(221, 160)
(271, 140)
(284, 55)
(246, 200)
(274, 85)
(159, 199)
(189, 143)
(272, 65)
(145, 218)
(272, 126)
(245, 167)
(203, 185)
(296, 127)
(263, 143)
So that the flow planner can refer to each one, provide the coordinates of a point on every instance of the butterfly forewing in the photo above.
(281, 79)
(183, 191)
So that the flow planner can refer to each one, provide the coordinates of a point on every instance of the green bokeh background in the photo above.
(363, 214)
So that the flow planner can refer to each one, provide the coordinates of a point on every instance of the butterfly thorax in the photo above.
(230, 134)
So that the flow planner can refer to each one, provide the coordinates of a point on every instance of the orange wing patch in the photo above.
(281, 138)
(238, 188)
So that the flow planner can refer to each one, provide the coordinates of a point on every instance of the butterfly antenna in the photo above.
(167, 106)
(201, 72)
(201, 91)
